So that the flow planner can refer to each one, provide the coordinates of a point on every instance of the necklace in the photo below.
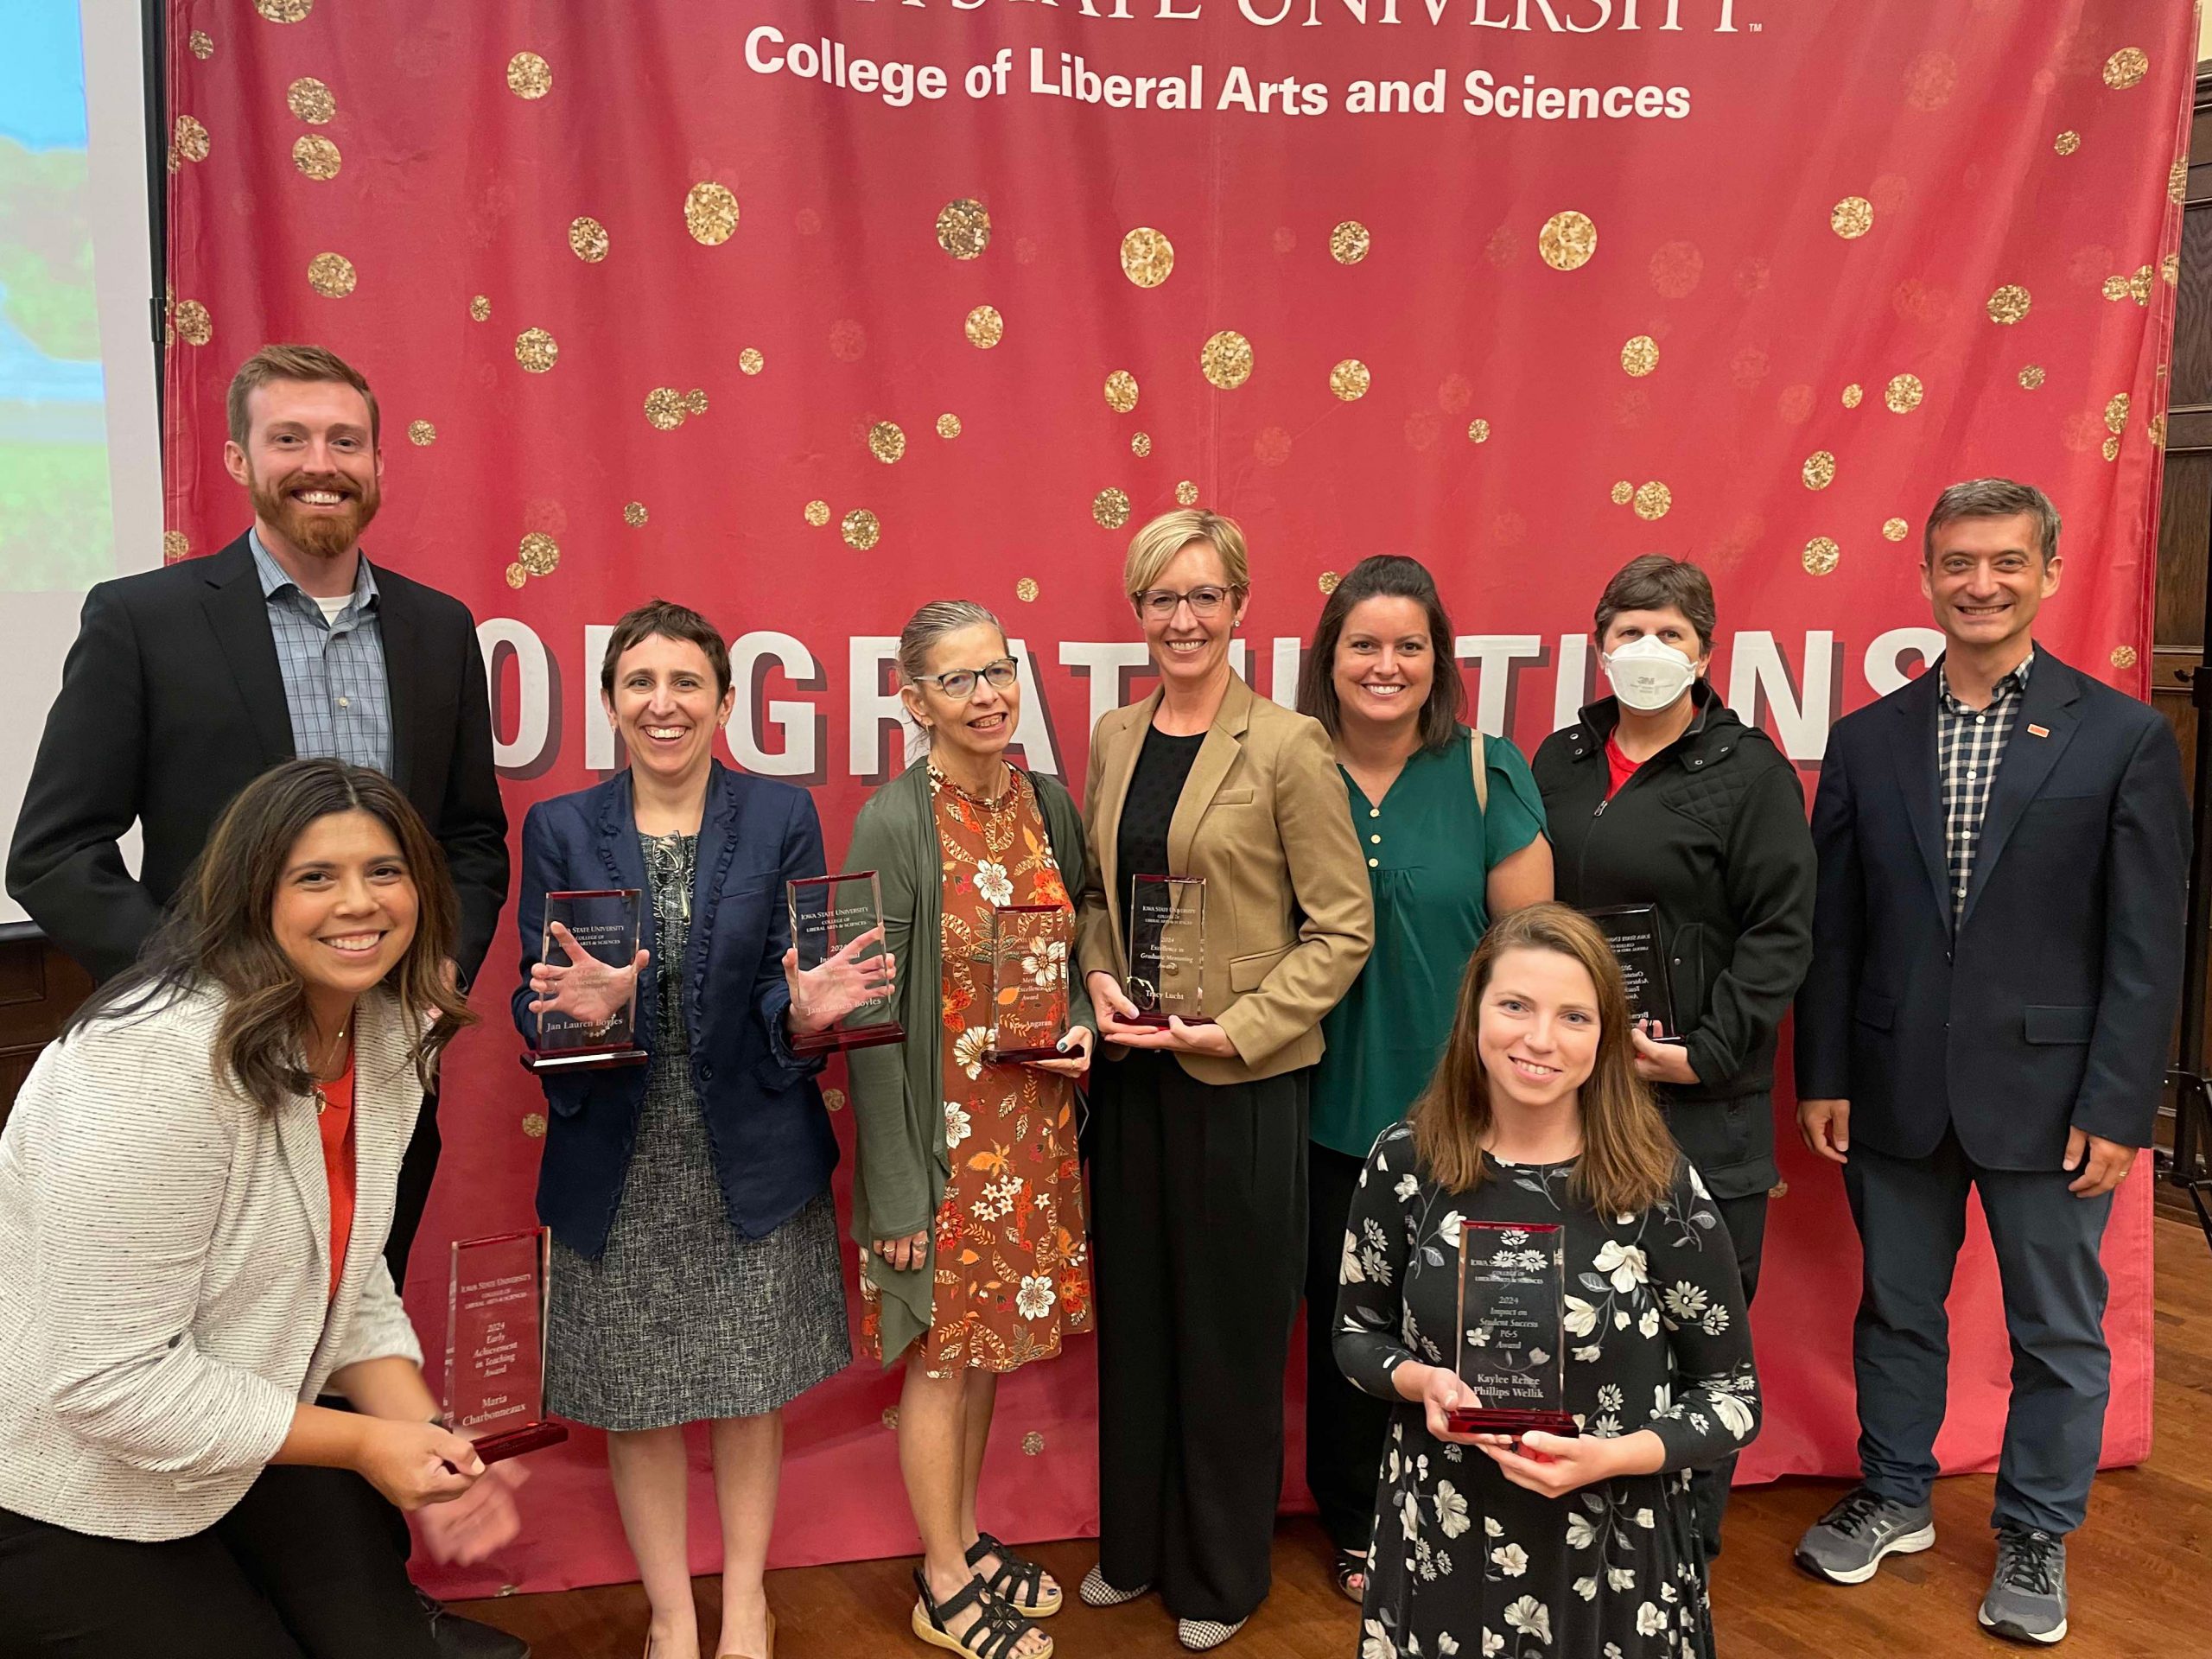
(315, 1082)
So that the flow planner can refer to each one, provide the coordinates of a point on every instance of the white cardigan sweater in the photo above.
(165, 1268)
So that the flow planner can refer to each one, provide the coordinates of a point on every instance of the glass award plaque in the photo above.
(604, 924)
(1166, 928)
(495, 1344)
(827, 914)
(1633, 931)
(1028, 947)
(1512, 1331)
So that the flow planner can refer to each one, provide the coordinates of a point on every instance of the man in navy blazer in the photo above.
(2004, 844)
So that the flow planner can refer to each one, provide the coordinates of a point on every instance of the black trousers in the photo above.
(1198, 1212)
(1746, 1220)
(1912, 1219)
(1344, 1428)
(306, 1565)
(416, 1171)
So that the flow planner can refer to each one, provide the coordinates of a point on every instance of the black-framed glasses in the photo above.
(960, 684)
(1159, 603)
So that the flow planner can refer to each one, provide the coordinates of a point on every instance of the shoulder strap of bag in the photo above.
(1481, 772)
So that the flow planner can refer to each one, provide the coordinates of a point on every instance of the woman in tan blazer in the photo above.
(1199, 1174)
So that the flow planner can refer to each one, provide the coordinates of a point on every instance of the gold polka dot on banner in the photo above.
(1568, 240)
(311, 100)
(2116, 412)
(985, 327)
(948, 426)
(2124, 657)
(1822, 555)
(1641, 355)
(695, 401)
(862, 529)
(665, 408)
(193, 325)
(2178, 181)
(2169, 269)
(1896, 530)
(1852, 394)
(1623, 492)
(2126, 68)
(1187, 495)
(834, 1099)
(710, 213)
(1110, 507)
(528, 75)
(1903, 394)
(2115, 288)
(963, 228)
(1121, 391)
(331, 274)
(1147, 256)
(201, 44)
(817, 513)
(283, 11)
(533, 1125)
(2112, 448)
(634, 514)
(1327, 580)
(1349, 242)
(2139, 285)
(1025, 590)
(1819, 470)
(1032, 1444)
(886, 441)
(2009, 304)
(2156, 428)
(316, 157)
(2067, 143)
(1852, 218)
(1226, 360)
(750, 361)
(175, 544)
(539, 554)
(479, 307)
(422, 433)
(516, 575)
(192, 141)
(588, 239)
(1140, 444)
(1653, 501)
(1350, 380)
(2032, 377)
(1477, 431)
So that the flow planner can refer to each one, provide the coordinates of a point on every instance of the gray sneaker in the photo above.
(1847, 1544)
(2027, 1595)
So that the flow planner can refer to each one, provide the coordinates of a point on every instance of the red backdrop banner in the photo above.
(807, 311)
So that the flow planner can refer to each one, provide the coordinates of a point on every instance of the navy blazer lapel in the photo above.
(2046, 707)
(397, 627)
(718, 845)
(237, 613)
(1914, 751)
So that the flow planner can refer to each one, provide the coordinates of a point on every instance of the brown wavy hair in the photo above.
(1627, 1158)
(220, 930)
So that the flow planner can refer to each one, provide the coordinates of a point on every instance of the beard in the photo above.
(317, 535)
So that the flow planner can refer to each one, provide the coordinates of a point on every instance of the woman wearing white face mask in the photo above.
(1658, 794)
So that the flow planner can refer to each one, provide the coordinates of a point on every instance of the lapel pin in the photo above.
(2038, 731)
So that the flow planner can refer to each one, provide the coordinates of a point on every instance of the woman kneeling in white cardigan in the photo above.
(194, 1191)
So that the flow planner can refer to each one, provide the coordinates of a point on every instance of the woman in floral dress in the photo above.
(968, 1198)
(1544, 1547)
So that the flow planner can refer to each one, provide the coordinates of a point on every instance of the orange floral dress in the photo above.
(1012, 1259)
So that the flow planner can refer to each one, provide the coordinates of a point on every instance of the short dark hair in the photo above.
(1992, 497)
(306, 363)
(1652, 582)
(664, 619)
(1384, 575)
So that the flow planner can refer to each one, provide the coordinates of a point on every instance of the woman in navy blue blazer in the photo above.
(696, 1269)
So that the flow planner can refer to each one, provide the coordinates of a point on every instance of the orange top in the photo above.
(336, 1122)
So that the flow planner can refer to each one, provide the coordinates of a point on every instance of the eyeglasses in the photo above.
(960, 684)
(1159, 603)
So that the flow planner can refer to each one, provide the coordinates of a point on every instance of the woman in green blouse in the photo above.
(1453, 832)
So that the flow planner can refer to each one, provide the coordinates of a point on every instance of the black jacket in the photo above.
(2051, 1004)
(172, 702)
(1712, 830)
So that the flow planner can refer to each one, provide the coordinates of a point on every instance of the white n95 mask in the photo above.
(1648, 674)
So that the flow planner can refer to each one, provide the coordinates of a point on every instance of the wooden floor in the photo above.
(2141, 1570)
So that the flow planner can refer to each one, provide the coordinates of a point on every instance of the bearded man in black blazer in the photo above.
(1997, 960)
(187, 682)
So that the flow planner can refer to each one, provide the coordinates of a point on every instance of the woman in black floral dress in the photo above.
(1548, 1546)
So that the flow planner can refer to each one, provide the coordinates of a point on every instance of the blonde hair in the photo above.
(307, 363)
(1627, 1157)
(1151, 548)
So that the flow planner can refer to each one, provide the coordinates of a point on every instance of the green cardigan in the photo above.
(898, 1089)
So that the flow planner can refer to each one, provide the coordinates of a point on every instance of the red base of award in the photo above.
(833, 1040)
(1158, 1022)
(1480, 1420)
(582, 1059)
(1019, 1056)
(498, 1449)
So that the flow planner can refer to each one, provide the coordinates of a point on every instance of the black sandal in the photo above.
(997, 1629)
(1019, 1582)
(1350, 1565)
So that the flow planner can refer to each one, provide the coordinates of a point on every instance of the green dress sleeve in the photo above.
(1514, 815)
